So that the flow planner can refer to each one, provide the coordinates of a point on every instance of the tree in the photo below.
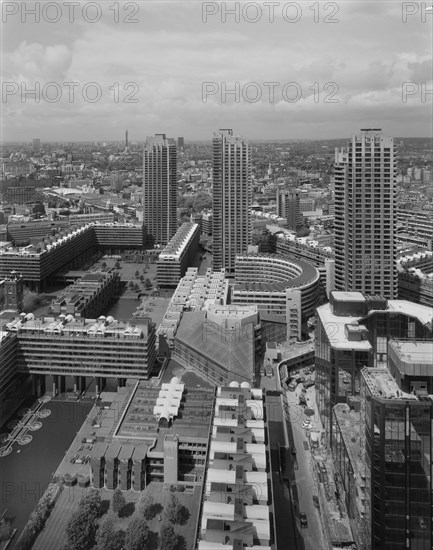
(5, 530)
(169, 539)
(91, 504)
(138, 535)
(80, 531)
(117, 265)
(107, 538)
(146, 504)
(137, 273)
(172, 509)
(118, 501)
(148, 284)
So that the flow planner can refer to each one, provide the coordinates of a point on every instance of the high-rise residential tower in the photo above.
(232, 198)
(160, 187)
(364, 174)
(288, 207)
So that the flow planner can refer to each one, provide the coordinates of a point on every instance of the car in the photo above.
(293, 451)
(316, 501)
(304, 522)
(306, 446)
(306, 425)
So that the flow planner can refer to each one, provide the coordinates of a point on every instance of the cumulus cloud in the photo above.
(163, 61)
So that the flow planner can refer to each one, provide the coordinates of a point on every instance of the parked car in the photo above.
(292, 386)
(304, 522)
(316, 501)
(306, 446)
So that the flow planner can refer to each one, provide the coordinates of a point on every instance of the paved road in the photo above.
(287, 533)
(303, 470)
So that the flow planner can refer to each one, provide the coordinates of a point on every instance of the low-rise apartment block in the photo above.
(177, 255)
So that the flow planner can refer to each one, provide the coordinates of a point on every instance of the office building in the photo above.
(352, 332)
(365, 256)
(237, 504)
(232, 199)
(160, 188)
(288, 207)
(180, 143)
(382, 445)
(306, 204)
(20, 195)
(36, 145)
(177, 255)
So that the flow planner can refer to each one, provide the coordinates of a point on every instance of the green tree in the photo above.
(148, 284)
(91, 503)
(172, 509)
(137, 273)
(5, 530)
(138, 535)
(80, 531)
(169, 539)
(107, 538)
(146, 505)
(118, 501)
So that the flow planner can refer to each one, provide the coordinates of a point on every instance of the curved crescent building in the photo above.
(279, 285)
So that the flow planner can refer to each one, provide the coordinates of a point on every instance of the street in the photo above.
(287, 530)
(303, 485)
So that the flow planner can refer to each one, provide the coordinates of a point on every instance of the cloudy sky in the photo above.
(335, 67)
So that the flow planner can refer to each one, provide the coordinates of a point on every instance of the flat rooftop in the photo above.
(349, 422)
(423, 313)
(139, 421)
(178, 243)
(381, 384)
(348, 296)
(414, 351)
(103, 326)
(335, 327)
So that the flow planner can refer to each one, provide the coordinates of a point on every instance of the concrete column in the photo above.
(38, 386)
(97, 385)
(54, 386)
(75, 384)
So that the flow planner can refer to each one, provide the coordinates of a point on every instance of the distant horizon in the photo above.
(193, 141)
